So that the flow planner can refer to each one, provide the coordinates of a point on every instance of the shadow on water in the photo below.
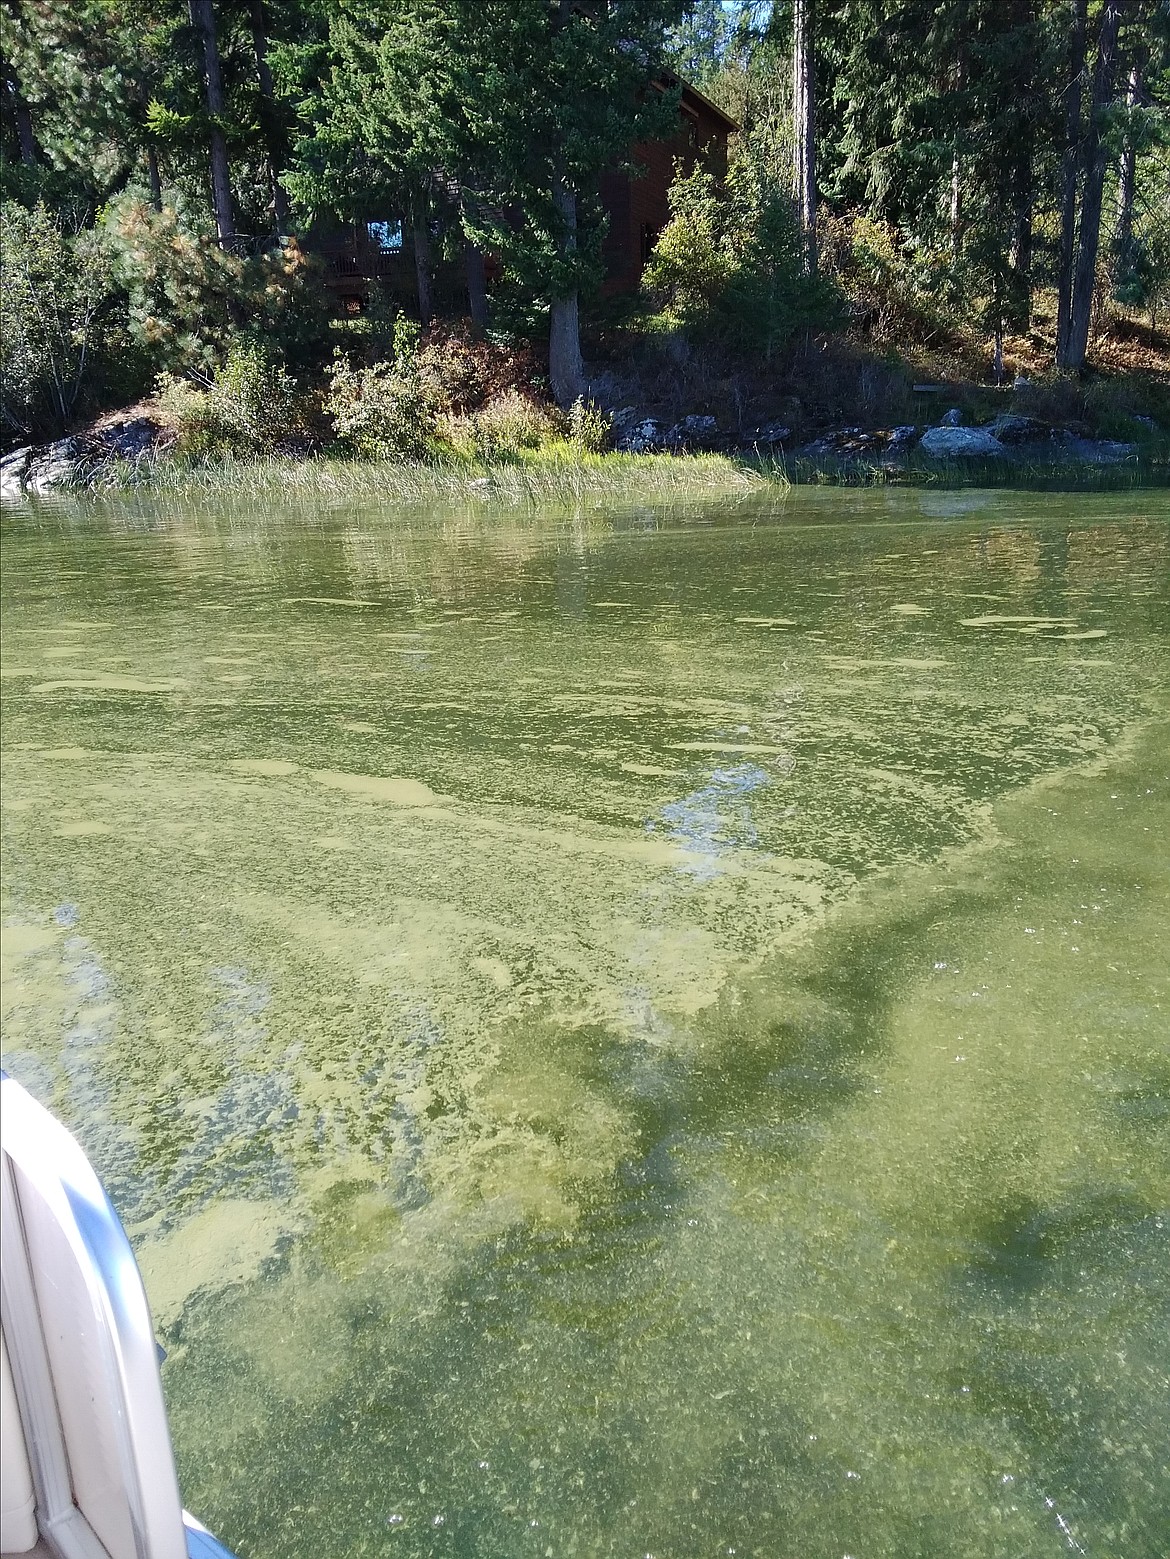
(666, 1366)
(1051, 1272)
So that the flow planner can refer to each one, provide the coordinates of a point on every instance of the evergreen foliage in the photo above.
(729, 264)
(159, 160)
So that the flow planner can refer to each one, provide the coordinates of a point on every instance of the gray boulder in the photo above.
(1100, 451)
(1011, 428)
(54, 466)
(642, 438)
(951, 419)
(770, 434)
(128, 440)
(693, 432)
(12, 472)
(954, 443)
(847, 444)
(901, 438)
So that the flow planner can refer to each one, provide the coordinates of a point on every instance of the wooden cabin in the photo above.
(636, 203)
(379, 252)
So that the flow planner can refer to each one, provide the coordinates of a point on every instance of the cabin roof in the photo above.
(690, 92)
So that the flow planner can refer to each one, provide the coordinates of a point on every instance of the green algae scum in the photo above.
(636, 1032)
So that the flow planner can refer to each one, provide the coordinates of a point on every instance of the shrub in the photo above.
(451, 371)
(688, 269)
(589, 427)
(897, 288)
(729, 263)
(61, 324)
(461, 371)
(381, 411)
(511, 424)
(255, 398)
(187, 411)
(250, 407)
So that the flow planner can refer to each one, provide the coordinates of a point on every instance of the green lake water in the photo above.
(636, 1032)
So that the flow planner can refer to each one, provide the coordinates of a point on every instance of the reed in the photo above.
(555, 472)
(561, 471)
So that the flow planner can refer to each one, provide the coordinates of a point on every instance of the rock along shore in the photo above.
(99, 456)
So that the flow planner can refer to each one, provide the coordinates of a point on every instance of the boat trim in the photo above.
(39, 1152)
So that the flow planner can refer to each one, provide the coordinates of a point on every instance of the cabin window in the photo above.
(386, 237)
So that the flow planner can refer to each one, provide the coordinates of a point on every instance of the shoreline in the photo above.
(567, 474)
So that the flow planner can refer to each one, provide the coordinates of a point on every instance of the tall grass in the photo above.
(557, 471)
(560, 470)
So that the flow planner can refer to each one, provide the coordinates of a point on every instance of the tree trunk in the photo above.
(1022, 181)
(473, 264)
(565, 369)
(422, 264)
(1095, 156)
(24, 132)
(1126, 180)
(804, 125)
(477, 302)
(25, 139)
(272, 137)
(155, 177)
(1069, 175)
(955, 214)
(1020, 254)
(203, 20)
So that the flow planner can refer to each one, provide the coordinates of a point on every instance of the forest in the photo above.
(976, 191)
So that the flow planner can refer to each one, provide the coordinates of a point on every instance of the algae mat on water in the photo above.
(617, 1033)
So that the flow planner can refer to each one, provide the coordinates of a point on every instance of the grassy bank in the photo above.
(565, 474)
(544, 475)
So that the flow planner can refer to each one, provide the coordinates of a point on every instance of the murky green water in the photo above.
(633, 1034)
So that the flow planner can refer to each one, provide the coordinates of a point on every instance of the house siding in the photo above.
(636, 204)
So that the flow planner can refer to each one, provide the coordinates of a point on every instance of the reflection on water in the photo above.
(617, 1033)
(714, 818)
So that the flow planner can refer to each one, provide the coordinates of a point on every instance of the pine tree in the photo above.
(513, 111)
(1071, 350)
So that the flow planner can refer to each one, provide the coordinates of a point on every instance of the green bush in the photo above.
(689, 267)
(250, 407)
(729, 263)
(589, 427)
(382, 411)
(187, 411)
(452, 372)
(511, 425)
(256, 398)
(62, 328)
